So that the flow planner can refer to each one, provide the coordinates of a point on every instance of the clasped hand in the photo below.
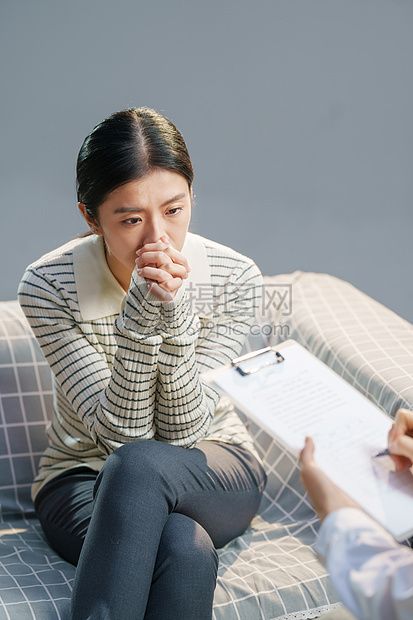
(163, 267)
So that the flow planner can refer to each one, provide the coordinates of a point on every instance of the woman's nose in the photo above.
(153, 231)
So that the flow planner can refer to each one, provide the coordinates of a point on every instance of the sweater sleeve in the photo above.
(371, 572)
(184, 404)
(117, 404)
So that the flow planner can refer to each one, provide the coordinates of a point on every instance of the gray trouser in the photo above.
(147, 526)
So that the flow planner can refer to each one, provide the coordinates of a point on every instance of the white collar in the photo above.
(100, 294)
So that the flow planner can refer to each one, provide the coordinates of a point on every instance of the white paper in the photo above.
(303, 397)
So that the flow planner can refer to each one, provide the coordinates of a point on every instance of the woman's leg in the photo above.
(185, 572)
(141, 484)
(64, 507)
(186, 565)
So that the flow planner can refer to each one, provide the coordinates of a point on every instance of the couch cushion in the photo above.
(34, 581)
(367, 344)
(269, 572)
(25, 407)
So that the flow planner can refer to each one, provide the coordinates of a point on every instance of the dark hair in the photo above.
(124, 147)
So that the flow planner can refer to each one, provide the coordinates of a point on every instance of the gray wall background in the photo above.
(298, 116)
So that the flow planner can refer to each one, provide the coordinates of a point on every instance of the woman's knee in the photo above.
(187, 548)
(187, 541)
(138, 463)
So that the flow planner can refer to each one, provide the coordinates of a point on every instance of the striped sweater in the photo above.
(127, 366)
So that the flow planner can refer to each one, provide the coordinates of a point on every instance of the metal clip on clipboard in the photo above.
(245, 363)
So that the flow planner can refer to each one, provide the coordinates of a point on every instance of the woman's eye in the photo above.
(132, 220)
(174, 210)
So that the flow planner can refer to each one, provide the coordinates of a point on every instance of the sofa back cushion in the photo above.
(26, 404)
(363, 341)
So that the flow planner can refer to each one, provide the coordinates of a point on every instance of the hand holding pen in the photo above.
(401, 440)
(325, 495)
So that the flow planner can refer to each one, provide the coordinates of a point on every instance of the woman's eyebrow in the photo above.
(177, 197)
(138, 209)
(127, 210)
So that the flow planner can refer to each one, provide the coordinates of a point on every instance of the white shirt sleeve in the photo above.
(371, 572)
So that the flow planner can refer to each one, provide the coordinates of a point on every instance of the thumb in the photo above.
(307, 453)
(402, 446)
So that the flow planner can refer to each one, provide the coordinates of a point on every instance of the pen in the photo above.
(385, 452)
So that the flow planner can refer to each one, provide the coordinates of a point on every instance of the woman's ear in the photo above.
(91, 222)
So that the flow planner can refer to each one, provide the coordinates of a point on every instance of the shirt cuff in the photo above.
(339, 523)
(142, 308)
(177, 317)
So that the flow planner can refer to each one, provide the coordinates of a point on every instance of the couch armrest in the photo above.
(367, 344)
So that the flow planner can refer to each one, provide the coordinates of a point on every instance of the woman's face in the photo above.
(141, 212)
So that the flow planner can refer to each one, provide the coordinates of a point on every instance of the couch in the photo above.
(269, 573)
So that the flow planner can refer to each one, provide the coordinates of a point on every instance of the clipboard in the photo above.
(291, 394)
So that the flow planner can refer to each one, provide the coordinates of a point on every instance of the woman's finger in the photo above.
(177, 271)
(177, 257)
(165, 291)
(155, 257)
(154, 274)
(166, 250)
(169, 267)
(171, 285)
(152, 247)
(159, 292)
(163, 273)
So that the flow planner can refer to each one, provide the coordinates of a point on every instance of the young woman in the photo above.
(148, 471)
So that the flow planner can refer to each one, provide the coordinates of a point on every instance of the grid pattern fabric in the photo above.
(269, 573)
(371, 348)
(25, 408)
(364, 342)
(34, 581)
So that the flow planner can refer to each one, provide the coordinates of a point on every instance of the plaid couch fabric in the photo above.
(34, 581)
(269, 573)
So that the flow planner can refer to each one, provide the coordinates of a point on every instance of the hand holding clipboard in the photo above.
(292, 394)
(325, 495)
